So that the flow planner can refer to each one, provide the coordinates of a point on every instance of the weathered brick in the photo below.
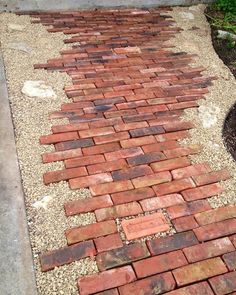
(172, 136)
(66, 255)
(189, 171)
(216, 230)
(109, 188)
(199, 271)
(136, 142)
(59, 137)
(170, 164)
(95, 230)
(211, 177)
(122, 256)
(216, 215)
(87, 205)
(106, 280)
(84, 161)
(174, 186)
(161, 146)
(178, 126)
(152, 179)
(59, 156)
(107, 166)
(152, 130)
(108, 243)
(159, 283)
(224, 284)
(102, 148)
(208, 250)
(132, 195)
(132, 172)
(111, 137)
(182, 105)
(230, 260)
(96, 132)
(118, 211)
(74, 144)
(146, 158)
(197, 289)
(184, 223)
(111, 292)
(130, 126)
(123, 153)
(182, 151)
(65, 174)
(161, 202)
(144, 226)
(87, 181)
(172, 243)
(202, 192)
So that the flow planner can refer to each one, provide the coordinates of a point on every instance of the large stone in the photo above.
(208, 115)
(43, 203)
(21, 46)
(38, 89)
(226, 35)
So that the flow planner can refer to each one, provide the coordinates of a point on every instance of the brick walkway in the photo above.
(129, 90)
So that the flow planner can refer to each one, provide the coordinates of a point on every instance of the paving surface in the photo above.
(128, 94)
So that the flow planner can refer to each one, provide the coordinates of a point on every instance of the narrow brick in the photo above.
(178, 126)
(59, 137)
(87, 181)
(111, 137)
(123, 153)
(146, 158)
(84, 161)
(122, 256)
(202, 288)
(132, 195)
(211, 177)
(230, 260)
(96, 132)
(118, 211)
(159, 283)
(184, 223)
(161, 146)
(74, 144)
(102, 148)
(111, 292)
(144, 226)
(106, 280)
(107, 166)
(153, 179)
(199, 271)
(182, 151)
(189, 171)
(136, 142)
(130, 126)
(216, 230)
(172, 136)
(174, 186)
(87, 205)
(132, 172)
(208, 250)
(202, 192)
(161, 202)
(153, 130)
(108, 243)
(224, 284)
(65, 174)
(170, 164)
(182, 105)
(78, 234)
(172, 243)
(109, 188)
(60, 156)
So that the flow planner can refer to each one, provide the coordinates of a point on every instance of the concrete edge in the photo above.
(16, 267)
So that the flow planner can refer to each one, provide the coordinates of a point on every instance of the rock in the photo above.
(15, 27)
(186, 15)
(38, 89)
(19, 46)
(226, 35)
(208, 115)
(43, 203)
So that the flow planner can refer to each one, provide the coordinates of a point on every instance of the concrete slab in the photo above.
(16, 267)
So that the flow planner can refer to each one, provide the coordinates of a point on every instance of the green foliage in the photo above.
(228, 6)
(230, 42)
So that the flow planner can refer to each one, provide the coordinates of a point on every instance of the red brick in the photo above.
(66, 255)
(96, 132)
(95, 230)
(182, 151)
(122, 256)
(178, 126)
(163, 100)
(184, 223)
(172, 136)
(208, 250)
(144, 226)
(189, 171)
(84, 161)
(152, 179)
(152, 130)
(118, 211)
(108, 243)
(105, 122)
(59, 137)
(186, 209)
(123, 153)
(182, 105)
(109, 188)
(172, 243)
(107, 166)
(146, 158)
(132, 195)
(211, 177)
(87, 205)
(216, 230)
(65, 174)
(152, 109)
(224, 284)
(74, 144)
(106, 280)
(100, 149)
(59, 156)
(76, 105)
(136, 142)
(230, 260)
(216, 215)
(197, 289)
(87, 181)
(159, 147)
(159, 264)
(170, 164)
(131, 173)
(110, 292)
(159, 283)
(199, 271)
(129, 126)
(174, 186)
(111, 137)
(161, 202)
(202, 192)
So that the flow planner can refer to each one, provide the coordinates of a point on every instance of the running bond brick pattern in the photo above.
(128, 92)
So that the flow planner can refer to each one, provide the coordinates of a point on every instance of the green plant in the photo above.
(230, 42)
(228, 6)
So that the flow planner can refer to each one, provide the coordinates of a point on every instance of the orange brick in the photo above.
(211, 177)
(152, 179)
(84, 161)
(108, 243)
(109, 188)
(59, 156)
(123, 153)
(134, 142)
(202, 192)
(161, 202)
(174, 186)
(170, 164)
(189, 171)
(144, 226)
(87, 181)
(65, 174)
(107, 166)
(132, 195)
